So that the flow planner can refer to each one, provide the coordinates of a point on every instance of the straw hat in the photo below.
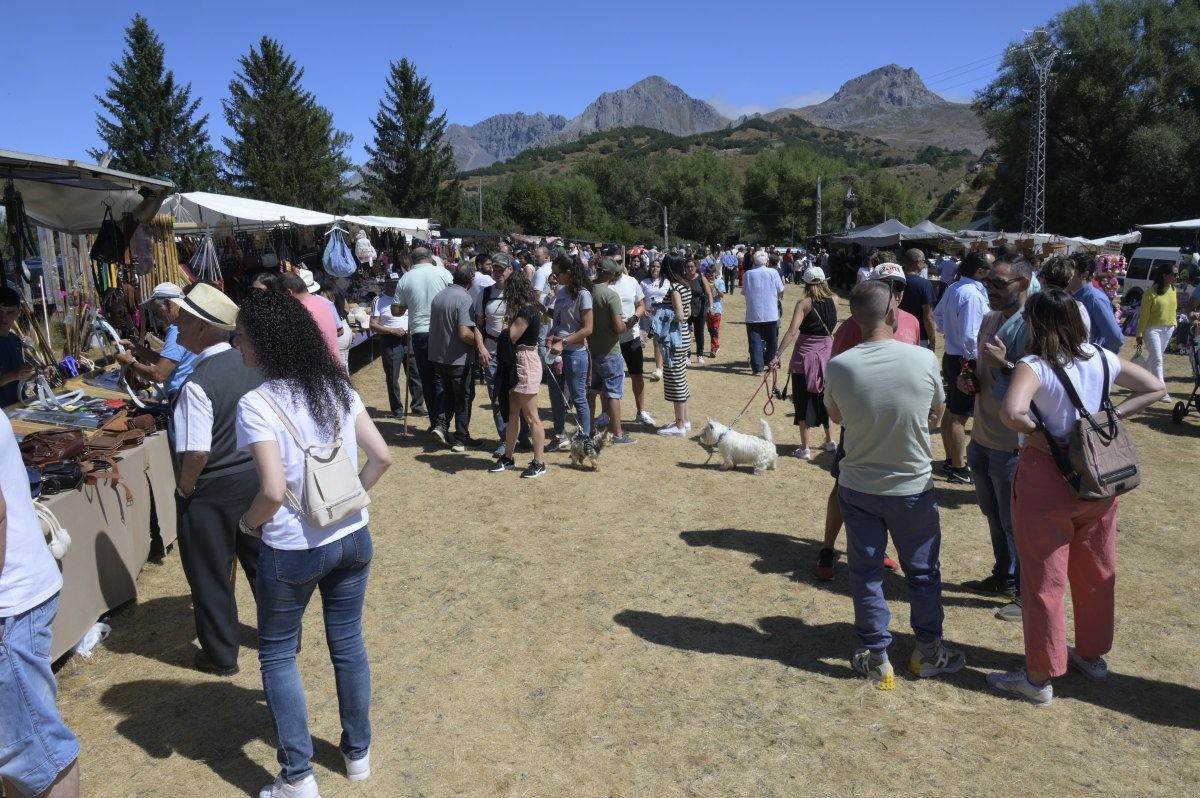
(209, 305)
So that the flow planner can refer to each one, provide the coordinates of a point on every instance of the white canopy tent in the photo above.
(207, 209)
(1190, 224)
(71, 196)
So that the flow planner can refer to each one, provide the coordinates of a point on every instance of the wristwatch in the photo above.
(179, 492)
(1008, 368)
(243, 527)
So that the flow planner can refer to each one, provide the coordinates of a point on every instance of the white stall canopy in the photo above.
(926, 230)
(70, 196)
(208, 210)
(410, 227)
(1190, 224)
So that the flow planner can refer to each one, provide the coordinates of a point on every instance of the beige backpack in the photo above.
(332, 490)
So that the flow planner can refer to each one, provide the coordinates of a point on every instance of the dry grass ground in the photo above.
(653, 629)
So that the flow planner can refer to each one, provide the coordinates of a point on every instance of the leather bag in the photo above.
(61, 477)
(1100, 461)
(40, 449)
(109, 246)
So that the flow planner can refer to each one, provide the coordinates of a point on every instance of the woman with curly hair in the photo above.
(572, 311)
(517, 352)
(305, 384)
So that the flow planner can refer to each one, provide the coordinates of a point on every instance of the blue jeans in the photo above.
(558, 405)
(35, 745)
(763, 337)
(992, 471)
(917, 535)
(431, 386)
(286, 581)
(574, 377)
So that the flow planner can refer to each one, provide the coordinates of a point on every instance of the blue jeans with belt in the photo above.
(286, 581)
(992, 471)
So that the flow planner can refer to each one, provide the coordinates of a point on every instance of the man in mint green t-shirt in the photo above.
(608, 365)
(414, 293)
(886, 394)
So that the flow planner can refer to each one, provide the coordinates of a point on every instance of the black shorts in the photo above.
(632, 352)
(957, 402)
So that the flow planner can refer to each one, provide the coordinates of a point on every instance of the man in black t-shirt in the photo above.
(919, 297)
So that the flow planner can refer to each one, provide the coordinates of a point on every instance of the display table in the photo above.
(110, 538)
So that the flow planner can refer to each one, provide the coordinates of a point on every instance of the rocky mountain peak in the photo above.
(890, 86)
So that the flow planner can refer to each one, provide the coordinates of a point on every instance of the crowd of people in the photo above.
(1022, 361)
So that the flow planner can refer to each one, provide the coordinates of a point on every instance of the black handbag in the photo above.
(61, 477)
(109, 246)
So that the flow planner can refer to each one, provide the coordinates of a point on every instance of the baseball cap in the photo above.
(165, 291)
(609, 265)
(888, 271)
(813, 275)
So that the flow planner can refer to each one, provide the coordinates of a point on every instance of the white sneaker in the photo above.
(804, 453)
(656, 375)
(829, 446)
(1017, 684)
(701, 361)
(1166, 399)
(673, 429)
(358, 769)
(1095, 671)
(645, 418)
(307, 788)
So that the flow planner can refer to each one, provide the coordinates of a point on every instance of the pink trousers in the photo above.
(1062, 540)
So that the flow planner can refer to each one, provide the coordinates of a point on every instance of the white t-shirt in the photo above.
(30, 574)
(493, 315)
(1088, 378)
(541, 280)
(480, 282)
(654, 292)
(630, 291)
(257, 421)
(382, 310)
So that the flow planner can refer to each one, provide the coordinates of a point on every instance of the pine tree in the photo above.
(154, 130)
(284, 147)
(411, 170)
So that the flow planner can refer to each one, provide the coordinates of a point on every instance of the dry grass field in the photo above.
(654, 629)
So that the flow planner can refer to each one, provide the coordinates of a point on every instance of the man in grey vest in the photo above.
(217, 481)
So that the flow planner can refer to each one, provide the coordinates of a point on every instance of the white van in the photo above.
(1145, 260)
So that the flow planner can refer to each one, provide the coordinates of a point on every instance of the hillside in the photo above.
(929, 172)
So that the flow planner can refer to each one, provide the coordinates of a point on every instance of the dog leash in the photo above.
(768, 406)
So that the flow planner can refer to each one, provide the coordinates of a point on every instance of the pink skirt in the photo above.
(529, 370)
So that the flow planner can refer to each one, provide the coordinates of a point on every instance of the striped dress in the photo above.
(675, 381)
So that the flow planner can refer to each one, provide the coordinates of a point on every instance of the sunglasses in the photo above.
(999, 283)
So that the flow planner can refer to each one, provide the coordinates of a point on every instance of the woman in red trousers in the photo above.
(1061, 539)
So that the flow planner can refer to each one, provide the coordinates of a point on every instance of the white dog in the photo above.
(738, 449)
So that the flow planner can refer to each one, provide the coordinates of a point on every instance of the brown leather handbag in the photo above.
(52, 446)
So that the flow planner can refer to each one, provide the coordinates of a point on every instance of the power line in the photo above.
(988, 66)
(969, 63)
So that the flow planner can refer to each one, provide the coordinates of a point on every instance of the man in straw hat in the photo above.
(217, 481)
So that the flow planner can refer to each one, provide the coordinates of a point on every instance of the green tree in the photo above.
(152, 127)
(701, 193)
(411, 169)
(1123, 134)
(780, 195)
(284, 146)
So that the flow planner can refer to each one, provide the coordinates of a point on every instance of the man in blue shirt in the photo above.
(12, 359)
(174, 363)
(1104, 330)
(919, 296)
(961, 310)
(763, 289)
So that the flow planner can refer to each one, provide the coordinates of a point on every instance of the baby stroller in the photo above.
(1193, 403)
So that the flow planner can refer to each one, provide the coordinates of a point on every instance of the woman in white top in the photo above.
(276, 334)
(655, 290)
(1062, 539)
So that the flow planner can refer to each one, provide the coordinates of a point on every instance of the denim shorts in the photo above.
(608, 375)
(35, 745)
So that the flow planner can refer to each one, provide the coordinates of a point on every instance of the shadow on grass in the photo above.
(210, 723)
(164, 629)
(777, 553)
(796, 644)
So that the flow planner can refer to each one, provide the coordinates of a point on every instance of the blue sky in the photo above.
(483, 58)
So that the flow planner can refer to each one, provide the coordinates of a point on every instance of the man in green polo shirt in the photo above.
(415, 292)
(608, 366)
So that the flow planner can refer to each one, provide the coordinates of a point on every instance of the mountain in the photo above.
(500, 137)
(893, 104)
(655, 103)
(652, 103)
